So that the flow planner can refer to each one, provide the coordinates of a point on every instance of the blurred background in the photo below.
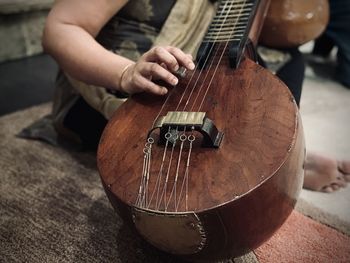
(26, 74)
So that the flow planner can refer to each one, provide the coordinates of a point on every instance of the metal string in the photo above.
(179, 159)
(184, 184)
(160, 173)
(183, 138)
(193, 73)
(221, 56)
(164, 191)
(144, 184)
(208, 55)
(142, 199)
(226, 44)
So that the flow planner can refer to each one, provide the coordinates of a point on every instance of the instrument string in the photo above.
(159, 192)
(208, 55)
(185, 179)
(160, 173)
(144, 187)
(217, 63)
(182, 138)
(159, 113)
(174, 138)
(193, 73)
(191, 138)
(189, 82)
(173, 191)
(139, 196)
(222, 54)
(196, 67)
(149, 157)
(232, 3)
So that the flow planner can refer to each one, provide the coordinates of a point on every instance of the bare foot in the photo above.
(344, 168)
(325, 174)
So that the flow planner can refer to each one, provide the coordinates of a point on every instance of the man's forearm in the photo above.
(79, 55)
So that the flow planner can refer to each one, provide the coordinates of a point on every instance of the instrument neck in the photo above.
(236, 23)
(232, 20)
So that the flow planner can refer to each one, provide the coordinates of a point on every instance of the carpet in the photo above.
(53, 209)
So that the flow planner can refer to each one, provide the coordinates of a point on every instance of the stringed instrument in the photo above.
(291, 23)
(214, 168)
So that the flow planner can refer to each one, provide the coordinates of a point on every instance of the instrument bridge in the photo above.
(189, 121)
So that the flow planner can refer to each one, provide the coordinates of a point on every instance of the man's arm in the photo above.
(69, 36)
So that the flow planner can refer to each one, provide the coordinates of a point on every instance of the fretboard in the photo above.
(231, 25)
(232, 21)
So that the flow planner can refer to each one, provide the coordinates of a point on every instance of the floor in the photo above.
(325, 110)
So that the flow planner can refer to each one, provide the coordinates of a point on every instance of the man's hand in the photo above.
(159, 63)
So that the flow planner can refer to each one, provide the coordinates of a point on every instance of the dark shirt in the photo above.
(133, 30)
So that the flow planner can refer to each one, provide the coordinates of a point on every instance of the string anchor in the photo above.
(188, 120)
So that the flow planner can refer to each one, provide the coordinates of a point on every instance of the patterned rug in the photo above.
(53, 209)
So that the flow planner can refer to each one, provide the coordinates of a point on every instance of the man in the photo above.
(80, 35)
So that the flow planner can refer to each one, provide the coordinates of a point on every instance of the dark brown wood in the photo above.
(249, 185)
(241, 192)
(259, 21)
(293, 23)
(254, 149)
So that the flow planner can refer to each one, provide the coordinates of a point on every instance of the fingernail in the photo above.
(174, 81)
(176, 68)
(191, 65)
(164, 91)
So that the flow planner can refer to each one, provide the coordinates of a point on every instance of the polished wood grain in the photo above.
(248, 186)
(291, 23)
(241, 192)
(257, 117)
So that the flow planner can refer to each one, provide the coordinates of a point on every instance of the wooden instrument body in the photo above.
(240, 193)
(291, 23)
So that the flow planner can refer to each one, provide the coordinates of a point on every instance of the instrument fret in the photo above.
(231, 21)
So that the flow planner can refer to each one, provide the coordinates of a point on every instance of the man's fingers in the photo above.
(161, 55)
(172, 57)
(156, 71)
(149, 86)
(182, 58)
(159, 63)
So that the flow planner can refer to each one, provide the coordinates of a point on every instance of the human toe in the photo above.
(327, 189)
(344, 167)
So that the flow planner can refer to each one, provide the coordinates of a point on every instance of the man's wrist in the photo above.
(122, 75)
